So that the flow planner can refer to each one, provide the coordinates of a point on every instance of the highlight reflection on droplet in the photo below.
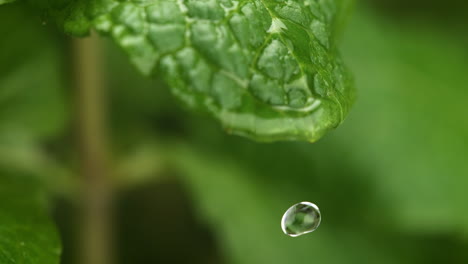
(300, 219)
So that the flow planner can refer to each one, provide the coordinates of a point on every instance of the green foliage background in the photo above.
(390, 182)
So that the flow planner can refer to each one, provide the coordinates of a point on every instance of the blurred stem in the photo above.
(96, 187)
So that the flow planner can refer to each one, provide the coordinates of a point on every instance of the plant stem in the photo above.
(96, 185)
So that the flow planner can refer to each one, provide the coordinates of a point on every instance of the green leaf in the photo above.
(265, 69)
(32, 100)
(6, 1)
(32, 108)
(27, 235)
(410, 126)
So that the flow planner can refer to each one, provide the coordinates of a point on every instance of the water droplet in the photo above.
(300, 219)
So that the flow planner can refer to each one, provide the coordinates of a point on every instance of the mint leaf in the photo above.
(26, 233)
(265, 69)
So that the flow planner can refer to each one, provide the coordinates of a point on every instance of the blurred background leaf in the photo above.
(26, 233)
(33, 110)
(410, 127)
(33, 106)
(31, 76)
(6, 1)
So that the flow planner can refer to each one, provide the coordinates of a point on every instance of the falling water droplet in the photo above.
(300, 219)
